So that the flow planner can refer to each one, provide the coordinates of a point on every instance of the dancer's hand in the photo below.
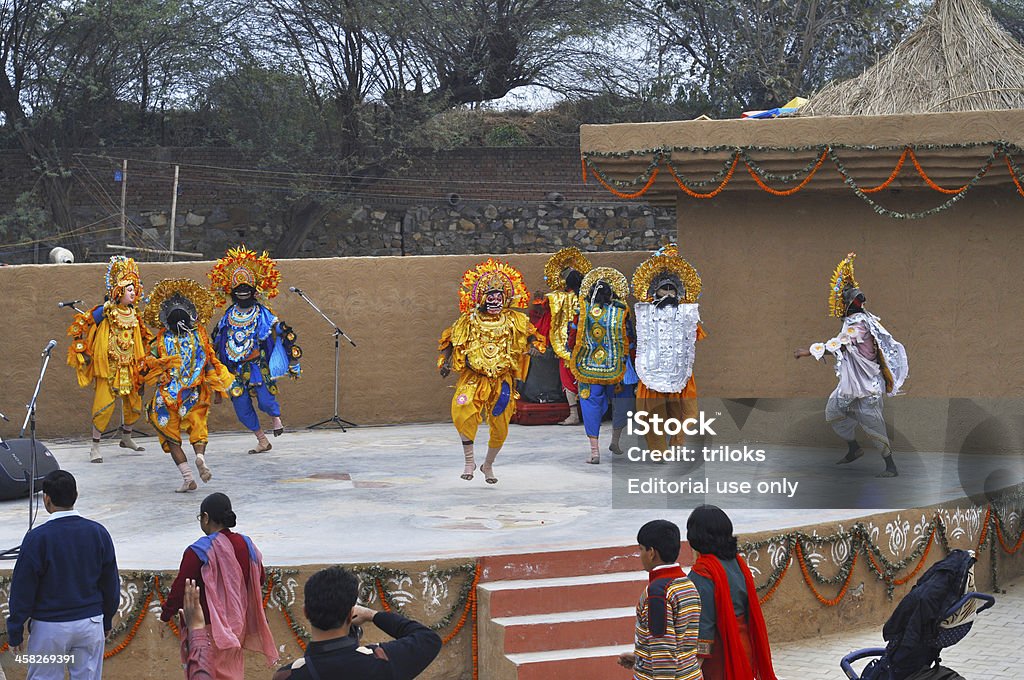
(800, 352)
(446, 368)
(533, 351)
(627, 659)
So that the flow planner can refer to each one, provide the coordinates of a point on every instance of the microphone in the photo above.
(50, 345)
(68, 303)
(295, 290)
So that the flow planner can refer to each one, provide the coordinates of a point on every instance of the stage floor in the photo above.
(380, 494)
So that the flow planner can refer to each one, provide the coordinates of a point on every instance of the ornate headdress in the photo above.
(842, 280)
(613, 277)
(183, 293)
(240, 266)
(665, 266)
(493, 275)
(565, 258)
(122, 271)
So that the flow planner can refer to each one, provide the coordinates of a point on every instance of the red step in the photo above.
(567, 630)
(559, 615)
(575, 593)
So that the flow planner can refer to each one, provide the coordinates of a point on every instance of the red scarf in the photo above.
(737, 666)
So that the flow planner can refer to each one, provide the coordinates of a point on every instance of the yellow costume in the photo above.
(486, 344)
(487, 350)
(106, 350)
(183, 366)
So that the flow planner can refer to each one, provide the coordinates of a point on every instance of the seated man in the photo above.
(335, 651)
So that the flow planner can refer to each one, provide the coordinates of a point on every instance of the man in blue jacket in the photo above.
(66, 587)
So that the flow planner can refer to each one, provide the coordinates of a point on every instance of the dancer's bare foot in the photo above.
(467, 472)
(595, 459)
(488, 472)
(186, 486)
(278, 426)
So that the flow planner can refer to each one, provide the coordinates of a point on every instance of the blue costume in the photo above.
(601, 359)
(258, 349)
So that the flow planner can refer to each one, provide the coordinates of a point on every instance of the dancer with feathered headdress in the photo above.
(668, 328)
(256, 346)
(486, 344)
(107, 347)
(870, 364)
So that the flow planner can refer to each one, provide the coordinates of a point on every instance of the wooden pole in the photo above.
(124, 189)
(174, 210)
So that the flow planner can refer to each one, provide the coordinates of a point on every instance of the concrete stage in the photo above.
(378, 494)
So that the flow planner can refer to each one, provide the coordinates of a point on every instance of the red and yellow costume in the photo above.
(183, 367)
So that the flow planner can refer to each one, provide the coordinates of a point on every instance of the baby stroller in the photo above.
(937, 613)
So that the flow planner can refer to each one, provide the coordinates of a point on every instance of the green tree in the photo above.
(741, 54)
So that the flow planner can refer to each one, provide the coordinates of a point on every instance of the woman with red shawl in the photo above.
(733, 640)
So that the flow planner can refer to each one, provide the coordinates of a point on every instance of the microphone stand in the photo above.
(337, 333)
(30, 419)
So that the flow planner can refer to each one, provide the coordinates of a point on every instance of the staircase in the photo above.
(558, 615)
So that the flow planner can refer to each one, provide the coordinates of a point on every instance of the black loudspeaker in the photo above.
(16, 464)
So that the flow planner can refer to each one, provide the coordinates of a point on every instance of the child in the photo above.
(668, 614)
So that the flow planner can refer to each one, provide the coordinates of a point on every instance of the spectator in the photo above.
(196, 646)
(667, 616)
(228, 568)
(733, 640)
(335, 652)
(66, 582)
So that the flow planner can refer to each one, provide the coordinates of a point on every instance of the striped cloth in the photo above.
(674, 655)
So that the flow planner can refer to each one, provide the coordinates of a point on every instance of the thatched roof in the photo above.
(959, 59)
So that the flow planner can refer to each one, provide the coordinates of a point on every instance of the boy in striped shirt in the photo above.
(668, 614)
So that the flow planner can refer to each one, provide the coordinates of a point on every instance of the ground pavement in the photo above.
(991, 651)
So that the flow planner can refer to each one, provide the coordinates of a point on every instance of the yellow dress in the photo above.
(109, 355)
(186, 371)
(487, 350)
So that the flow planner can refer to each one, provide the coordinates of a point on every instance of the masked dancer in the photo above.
(563, 273)
(601, 358)
(869, 364)
(667, 330)
(251, 341)
(185, 371)
(485, 345)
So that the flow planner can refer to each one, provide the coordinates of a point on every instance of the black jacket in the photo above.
(913, 626)
(414, 648)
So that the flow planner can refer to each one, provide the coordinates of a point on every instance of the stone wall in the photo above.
(468, 201)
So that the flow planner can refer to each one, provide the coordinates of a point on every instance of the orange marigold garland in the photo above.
(793, 190)
(711, 194)
(892, 176)
(1013, 174)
